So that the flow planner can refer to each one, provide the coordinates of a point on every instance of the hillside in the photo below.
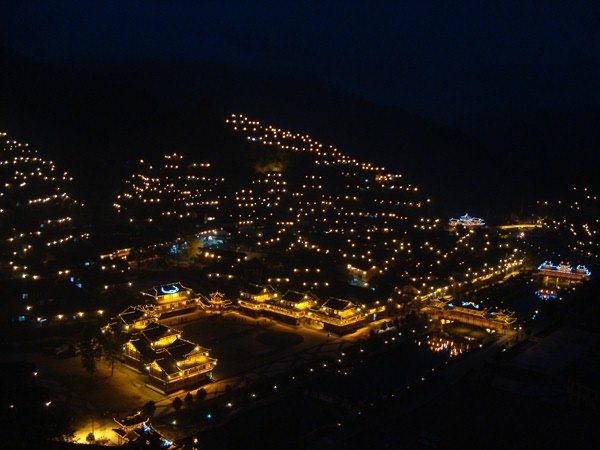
(99, 121)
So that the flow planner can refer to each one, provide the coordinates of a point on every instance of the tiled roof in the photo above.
(337, 304)
(181, 348)
(253, 289)
(131, 315)
(168, 365)
(154, 331)
(293, 296)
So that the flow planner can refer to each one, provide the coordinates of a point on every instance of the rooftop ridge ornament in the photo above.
(172, 289)
(580, 271)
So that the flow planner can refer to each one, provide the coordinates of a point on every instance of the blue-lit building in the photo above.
(564, 271)
(466, 221)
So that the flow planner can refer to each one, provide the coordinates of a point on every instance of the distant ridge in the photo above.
(98, 121)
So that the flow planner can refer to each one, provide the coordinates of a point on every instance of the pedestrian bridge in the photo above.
(496, 320)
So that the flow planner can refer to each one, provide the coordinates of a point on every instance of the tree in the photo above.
(90, 354)
(177, 403)
(111, 347)
(201, 394)
(188, 400)
(149, 409)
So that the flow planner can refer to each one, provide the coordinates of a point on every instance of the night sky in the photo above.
(518, 76)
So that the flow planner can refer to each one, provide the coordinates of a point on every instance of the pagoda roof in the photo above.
(337, 304)
(168, 364)
(181, 348)
(132, 314)
(253, 289)
(257, 289)
(293, 296)
(155, 331)
(144, 347)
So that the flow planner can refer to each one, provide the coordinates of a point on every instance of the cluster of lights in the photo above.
(370, 220)
(441, 344)
(36, 211)
(169, 190)
(359, 214)
(313, 211)
(575, 219)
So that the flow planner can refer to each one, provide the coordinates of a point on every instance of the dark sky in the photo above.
(443, 60)
(520, 77)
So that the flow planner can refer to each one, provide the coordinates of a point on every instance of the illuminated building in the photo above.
(212, 238)
(131, 319)
(298, 300)
(467, 221)
(362, 272)
(254, 294)
(171, 299)
(135, 431)
(122, 253)
(480, 317)
(564, 271)
(337, 315)
(304, 308)
(170, 361)
(215, 302)
(291, 306)
(265, 300)
(158, 350)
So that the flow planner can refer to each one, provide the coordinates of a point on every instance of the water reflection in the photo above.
(443, 344)
(454, 338)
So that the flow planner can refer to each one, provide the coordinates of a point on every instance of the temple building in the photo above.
(131, 319)
(171, 299)
(267, 301)
(256, 293)
(215, 302)
(171, 362)
(564, 271)
(135, 431)
(303, 308)
(155, 349)
(467, 221)
(337, 315)
(291, 306)
(480, 317)
(253, 296)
